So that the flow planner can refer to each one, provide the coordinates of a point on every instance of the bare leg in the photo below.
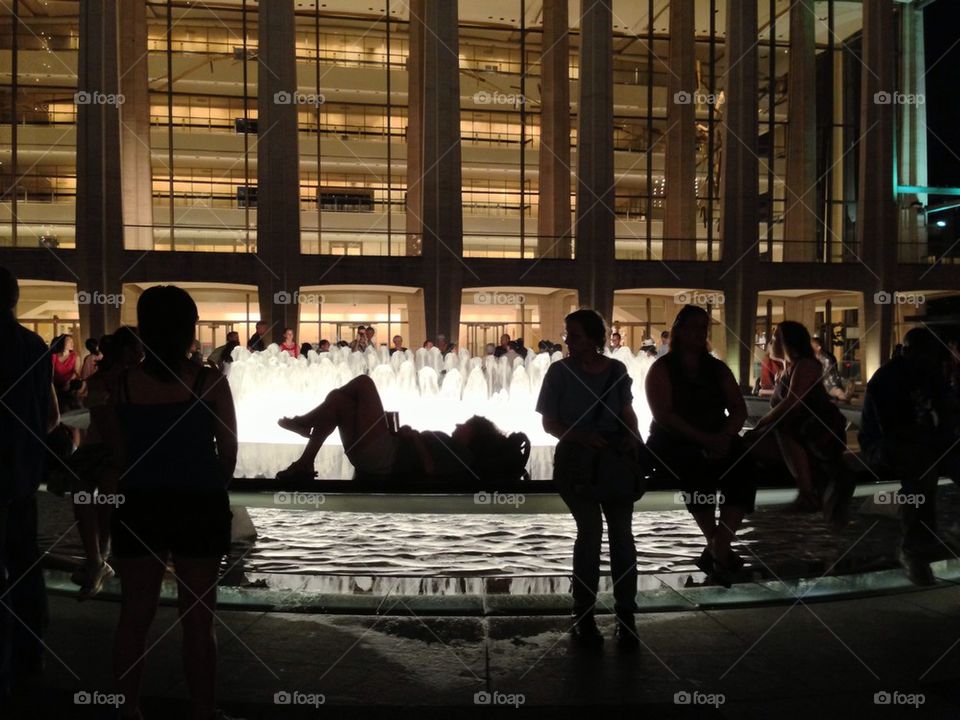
(355, 409)
(89, 528)
(707, 522)
(797, 461)
(197, 598)
(140, 591)
(730, 519)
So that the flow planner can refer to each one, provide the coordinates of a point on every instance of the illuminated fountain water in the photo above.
(428, 390)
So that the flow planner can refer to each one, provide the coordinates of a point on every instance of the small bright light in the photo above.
(941, 223)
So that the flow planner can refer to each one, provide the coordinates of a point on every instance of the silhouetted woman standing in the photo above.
(586, 403)
(174, 438)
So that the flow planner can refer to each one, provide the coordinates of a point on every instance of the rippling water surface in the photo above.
(323, 543)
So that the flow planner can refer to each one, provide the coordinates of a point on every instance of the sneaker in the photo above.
(917, 570)
(585, 631)
(94, 580)
(626, 631)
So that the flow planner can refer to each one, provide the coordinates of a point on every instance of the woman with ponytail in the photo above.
(173, 436)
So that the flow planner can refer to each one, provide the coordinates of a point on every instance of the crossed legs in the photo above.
(354, 408)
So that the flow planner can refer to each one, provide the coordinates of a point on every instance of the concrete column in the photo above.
(912, 145)
(278, 167)
(99, 205)
(414, 206)
(595, 224)
(135, 166)
(441, 180)
(553, 309)
(680, 206)
(800, 215)
(554, 232)
(876, 205)
(739, 188)
(802, 311)
(417, 320)
(131, 296)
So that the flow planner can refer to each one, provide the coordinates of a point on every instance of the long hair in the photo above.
(497, 456)
(795, 340)
(593, 324)
(166, 318)
(59, 343)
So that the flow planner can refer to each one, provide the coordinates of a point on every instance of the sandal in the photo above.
(295, 425)
(94, 580)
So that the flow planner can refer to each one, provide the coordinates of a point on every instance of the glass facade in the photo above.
(353, 122)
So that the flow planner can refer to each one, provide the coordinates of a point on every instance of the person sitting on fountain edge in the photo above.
(475, 452)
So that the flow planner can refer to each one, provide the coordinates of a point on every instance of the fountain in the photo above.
(428, 390)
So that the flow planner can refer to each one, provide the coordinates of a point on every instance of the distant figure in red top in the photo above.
(65, 369)
(289, 343)
(770, 369)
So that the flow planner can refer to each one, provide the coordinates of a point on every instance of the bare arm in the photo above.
(736, 405)
(629, 417)
(805, 376)
(225, 430)
(416, 438)
(553, 426)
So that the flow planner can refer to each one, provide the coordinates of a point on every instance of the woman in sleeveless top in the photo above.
(803, 428)
(698, 411)
(173, 432)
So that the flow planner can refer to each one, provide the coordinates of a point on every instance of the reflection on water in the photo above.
(452, 553)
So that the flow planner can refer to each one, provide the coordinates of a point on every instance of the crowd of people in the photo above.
(153, 402)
